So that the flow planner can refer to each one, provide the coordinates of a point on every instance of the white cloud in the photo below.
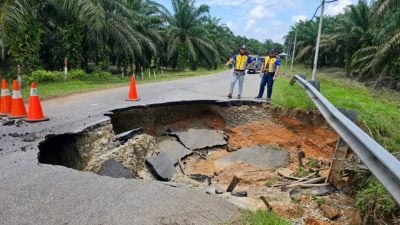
(231, 25)
(249, 25)
(298, 18)
(276, 23)
(336, 7)
(257, 12)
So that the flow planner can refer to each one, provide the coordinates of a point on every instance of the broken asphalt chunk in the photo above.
(162, 165)
(125, 136)
(263, 157)
(174, 150)
(200, 178)
(115, 169)
(239, 194)
(194, 139)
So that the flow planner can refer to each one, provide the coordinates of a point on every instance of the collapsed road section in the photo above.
(252, 155)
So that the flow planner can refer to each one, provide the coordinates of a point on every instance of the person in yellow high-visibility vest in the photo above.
(269, 71)
(241, 61)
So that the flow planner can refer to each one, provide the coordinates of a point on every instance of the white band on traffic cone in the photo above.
(34, 92)
(5, 92)
(16, 94)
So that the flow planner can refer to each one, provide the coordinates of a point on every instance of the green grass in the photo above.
(379, 111)
(48, 90)
(260, 217)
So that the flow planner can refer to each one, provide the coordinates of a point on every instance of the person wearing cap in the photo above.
(241, 61)
(268, 74)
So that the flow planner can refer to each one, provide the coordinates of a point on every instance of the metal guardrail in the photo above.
(383, 165)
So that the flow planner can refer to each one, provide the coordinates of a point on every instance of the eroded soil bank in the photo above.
(207, 144)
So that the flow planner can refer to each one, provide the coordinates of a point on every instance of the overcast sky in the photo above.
(265, 19)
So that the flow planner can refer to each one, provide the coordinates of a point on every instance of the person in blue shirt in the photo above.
(241, 61)
(269, 71)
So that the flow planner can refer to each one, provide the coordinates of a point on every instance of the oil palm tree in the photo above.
(384, 53)
(188, 37)
(117, 24)
(221, 37)
(352, 31)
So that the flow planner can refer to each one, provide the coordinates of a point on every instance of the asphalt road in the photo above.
(33, 193)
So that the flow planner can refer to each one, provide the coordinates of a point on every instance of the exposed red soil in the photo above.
(317, 142)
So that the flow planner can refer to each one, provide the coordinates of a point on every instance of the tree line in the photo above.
(365, 40)
(97, 34)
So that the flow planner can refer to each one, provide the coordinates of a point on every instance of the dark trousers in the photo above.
(267, 79)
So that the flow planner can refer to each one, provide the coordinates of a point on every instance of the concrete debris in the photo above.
(132, 155)
(210, 190)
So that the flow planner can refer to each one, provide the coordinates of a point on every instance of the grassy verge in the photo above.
(49, 89)
(260, 217)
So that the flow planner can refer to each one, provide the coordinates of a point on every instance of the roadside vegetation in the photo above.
(115, 36)
(364, 40)
(379, 116)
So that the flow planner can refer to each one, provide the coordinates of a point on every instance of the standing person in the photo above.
(241, 61)
(269, 71)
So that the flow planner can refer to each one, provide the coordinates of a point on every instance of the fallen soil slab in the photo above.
(263, 157)
(195, 139)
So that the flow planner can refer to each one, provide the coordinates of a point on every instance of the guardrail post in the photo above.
(336, 168)
(316, 84)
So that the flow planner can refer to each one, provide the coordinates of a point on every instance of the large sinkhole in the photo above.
(245, 148)
(198, 139)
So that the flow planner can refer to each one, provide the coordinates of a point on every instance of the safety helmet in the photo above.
(272, 50)
(243, 47)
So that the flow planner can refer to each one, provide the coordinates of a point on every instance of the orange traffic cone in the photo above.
(17, 103)
(35, 113)
(5, 106)
(133, 96)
